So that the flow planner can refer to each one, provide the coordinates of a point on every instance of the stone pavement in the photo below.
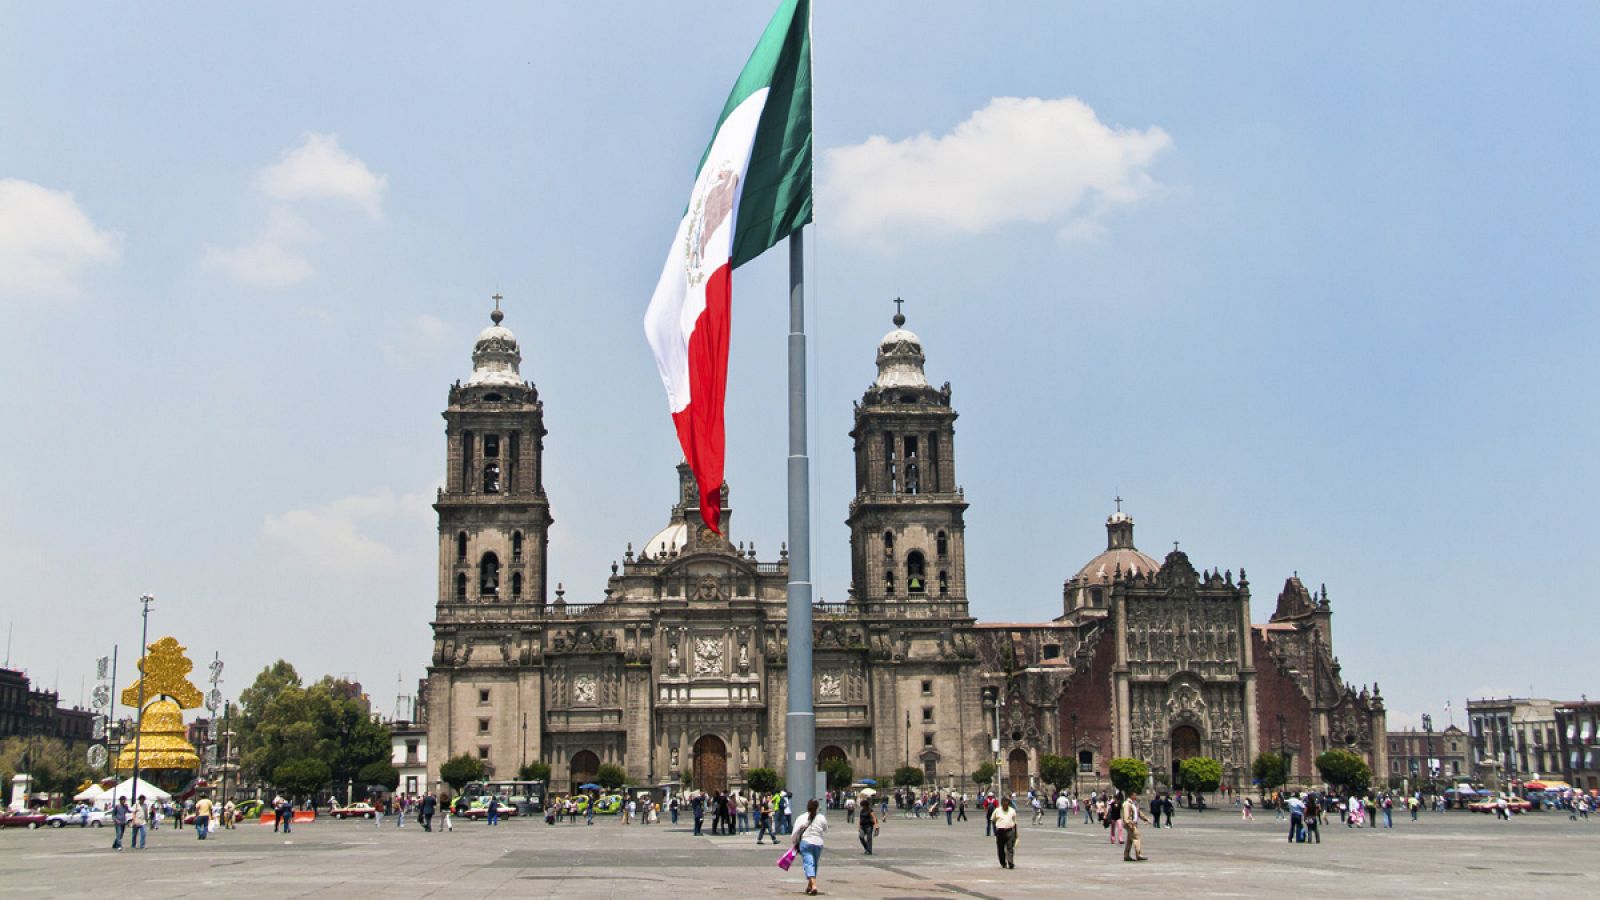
(1210, 854)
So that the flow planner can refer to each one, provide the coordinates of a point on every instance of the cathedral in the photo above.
(679, 672)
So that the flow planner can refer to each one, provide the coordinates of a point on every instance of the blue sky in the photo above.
(1312, 287)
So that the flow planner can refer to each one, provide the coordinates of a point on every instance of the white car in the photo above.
(95, 818)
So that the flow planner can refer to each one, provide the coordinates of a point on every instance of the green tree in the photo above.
(1269, 771)
(984, 773)
(535, 771)
(458, 770)
(838, 771)
(55, 767)
(763, 781)
(282, 721)
(908, 776)
(1056, 771)
(1344, 771)
(1200, 773)
(301, 777)
(380, 774)
(686, 778)
(610, 777)
(1128, 774)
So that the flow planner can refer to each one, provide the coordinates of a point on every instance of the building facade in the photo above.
(1578, 739)
(678, 673)
(1417, 756)
(1513, 740)
(26, 711)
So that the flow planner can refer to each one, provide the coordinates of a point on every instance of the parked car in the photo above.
(480, 809)
(249, 809)
(361, 810)
(94, 818)
(21, 820)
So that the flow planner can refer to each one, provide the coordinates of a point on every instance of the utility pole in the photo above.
(144, 641)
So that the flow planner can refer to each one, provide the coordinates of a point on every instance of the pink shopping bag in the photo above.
(787, 859)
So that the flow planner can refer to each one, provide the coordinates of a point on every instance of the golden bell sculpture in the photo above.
(167, 692)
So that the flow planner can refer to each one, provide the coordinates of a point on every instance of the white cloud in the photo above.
(419, 336)
(319, 169)
(1047, 162)
(337, 537)
(46, 240)
(273, 260)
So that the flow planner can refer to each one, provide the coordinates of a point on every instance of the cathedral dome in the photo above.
(1119, 555)
(900, 358)
(495, 355)
(669, 539)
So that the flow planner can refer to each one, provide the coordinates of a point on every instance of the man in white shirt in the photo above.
(1063, 804)
(1132, 850)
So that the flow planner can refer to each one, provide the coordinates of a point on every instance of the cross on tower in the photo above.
(1119, 503)
(1174, 546)
(496, 298)
(899, 315)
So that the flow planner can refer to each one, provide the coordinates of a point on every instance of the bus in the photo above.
(526, 796)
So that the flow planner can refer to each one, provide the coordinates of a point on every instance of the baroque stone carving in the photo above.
(828, 686)
(708, 656)
(583, 688)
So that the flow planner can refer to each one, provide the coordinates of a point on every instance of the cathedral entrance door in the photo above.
(825, 760)
(1185, 745)
(710, 764)
(1017, 772)
(585, 766)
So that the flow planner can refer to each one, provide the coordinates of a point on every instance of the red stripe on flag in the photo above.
(700, 429)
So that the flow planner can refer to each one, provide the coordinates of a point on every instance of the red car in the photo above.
(1513, 805)
(354, 811)
(10, 819)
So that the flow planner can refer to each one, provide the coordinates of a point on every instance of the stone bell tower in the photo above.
(494, 520)
(907, 518)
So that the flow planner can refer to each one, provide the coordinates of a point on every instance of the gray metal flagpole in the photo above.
(801, 722)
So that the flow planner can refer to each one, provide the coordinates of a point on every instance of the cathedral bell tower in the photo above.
(907, 518)
(493, 513)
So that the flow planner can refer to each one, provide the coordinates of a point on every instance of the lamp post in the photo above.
(991, 705)
(1427, 728)
(144, 639)
(908, 738)
(1283, 752)
(1077, 767)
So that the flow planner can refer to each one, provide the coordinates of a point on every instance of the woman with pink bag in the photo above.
(808, 832)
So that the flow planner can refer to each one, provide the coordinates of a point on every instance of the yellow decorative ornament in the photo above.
(167, 692)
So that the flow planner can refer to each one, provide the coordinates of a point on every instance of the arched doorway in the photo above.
(585, 766)
(1017, 771)
(1185, 744)
(710, 764)
(829, 757)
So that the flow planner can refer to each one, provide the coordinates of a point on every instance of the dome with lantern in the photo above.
(495, 355)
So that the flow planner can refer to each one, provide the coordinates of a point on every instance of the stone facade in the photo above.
(681, 666)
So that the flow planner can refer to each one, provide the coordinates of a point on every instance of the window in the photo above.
(489, 576)
(930, 773)
(516, 584)
(411, 748)
(1085, 760)
(927, 688)
(944, 582)
(913, 480)
(941, 545)
(516, 545)
(491, 478)
(927, 714)
(891, 462)
(491, 446)
(888, 543)
(461, 585)
(483, 695)
(1096, 598)
(927, 740)
(888, 582)
(1052, 651)
(483, 726)
(915, 580)
(483, 752)
(461, 545)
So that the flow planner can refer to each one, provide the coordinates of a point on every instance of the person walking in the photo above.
(1247, 811)
(961, 808)
(808, 832)
(1063, 806)
(868, 828)
(119, 818)
(399, 810)
(426, 811)
(1089, 808)
(1388, 812)
(949, 810)
(448, 805)
(141, 821)
(202, 817)
(1114, 818)
(229, 814)
(1004, 819)
(494, 810)
(849, 810)
(1133, 850)
(764, 817)
(1313, 819)
(1038, 809)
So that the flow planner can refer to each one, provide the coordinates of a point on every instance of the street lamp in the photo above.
(1283, 751)
(1077, 767)
(991, 705)
(1427, 728)
(144, 639)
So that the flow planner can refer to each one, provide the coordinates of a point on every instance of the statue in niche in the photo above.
(672, 658)
(674, 758)
(744, 756)
(744, 656)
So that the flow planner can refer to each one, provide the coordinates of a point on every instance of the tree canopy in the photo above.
(282, 721)
(763, 781)
(535, 771)
(1345, 771)
(1056, 771)
(908, 776)
(300, 777)
(985, 772)
(381, 774)
(1129, 774)
(458, 770)
(1269, 771)
(838, 771)
(610, 777)
(55, 767)
(1200, 773)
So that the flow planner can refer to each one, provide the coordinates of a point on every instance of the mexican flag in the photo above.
(752, 190)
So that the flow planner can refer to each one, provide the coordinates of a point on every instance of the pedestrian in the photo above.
(961, 808)
(426, 811)
(1004, 818)
(119, 818)
(1114, 818)
(949, 810)
(1133, 850)
(229, 814)
(287, 809)
(399, 810)
(868, 828)
(1388, 811)
(672, 807)
(808, 832)
(141, 820)
(764, 817)
(202, 816)
(494, 810)
(448, 805)
(1168, 804)
(1313, 819)
(1063, 806)
(849, 810)
(1089, 808)
(1038, 808)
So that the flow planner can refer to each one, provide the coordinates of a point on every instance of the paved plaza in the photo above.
(1210, 854)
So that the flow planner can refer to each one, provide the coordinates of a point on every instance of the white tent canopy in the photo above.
(145, 789)
(94, 794)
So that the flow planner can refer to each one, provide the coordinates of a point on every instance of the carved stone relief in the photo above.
(583, 689)
(708, 656)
